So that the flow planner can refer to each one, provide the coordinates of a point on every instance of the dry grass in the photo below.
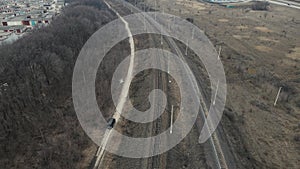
(262, 38)
(295, 54)
(240, 37)
(263, 48)
(191, 4)
(263, 29)
(223, 20)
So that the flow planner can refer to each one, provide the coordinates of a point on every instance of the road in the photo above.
(219, 157)
(290, 4)
(124, 93)
(156, 127)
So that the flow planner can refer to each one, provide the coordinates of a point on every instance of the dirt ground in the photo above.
(260, 53)
(187, 154)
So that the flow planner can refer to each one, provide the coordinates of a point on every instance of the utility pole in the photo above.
(155, 11)
(161, 39)
(170, 23)
(193, 31)
(217, 88)
(219, 52)
(186, 49)
(104, 52)
(144, 22)
(171, 128)
(277, 96)
(168, 64)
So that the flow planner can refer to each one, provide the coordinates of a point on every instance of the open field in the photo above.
(260, 53)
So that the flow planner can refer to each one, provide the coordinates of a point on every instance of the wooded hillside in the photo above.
(38, 125)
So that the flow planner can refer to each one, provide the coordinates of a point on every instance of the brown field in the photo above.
(260, 53)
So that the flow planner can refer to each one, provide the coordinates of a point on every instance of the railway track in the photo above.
(220, 161)
(155, 160)
(162, 83)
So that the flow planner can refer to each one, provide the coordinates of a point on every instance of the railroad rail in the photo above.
(155, 161)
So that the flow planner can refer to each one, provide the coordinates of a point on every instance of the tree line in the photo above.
(38, 126)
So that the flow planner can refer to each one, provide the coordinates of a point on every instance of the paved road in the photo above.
(290, 4)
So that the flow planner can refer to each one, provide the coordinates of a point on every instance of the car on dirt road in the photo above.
(111, 122)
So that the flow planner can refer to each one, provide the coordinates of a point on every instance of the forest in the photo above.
(38, 124)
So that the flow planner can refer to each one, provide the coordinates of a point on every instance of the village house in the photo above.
(17, 17)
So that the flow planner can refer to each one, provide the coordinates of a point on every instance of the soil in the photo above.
(260, 53)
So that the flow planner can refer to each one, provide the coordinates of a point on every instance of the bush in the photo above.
(260, 5)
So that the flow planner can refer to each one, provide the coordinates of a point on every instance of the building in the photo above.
(16, 17)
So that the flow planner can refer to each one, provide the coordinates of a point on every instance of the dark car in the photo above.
(190, 20)
(111, 122)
